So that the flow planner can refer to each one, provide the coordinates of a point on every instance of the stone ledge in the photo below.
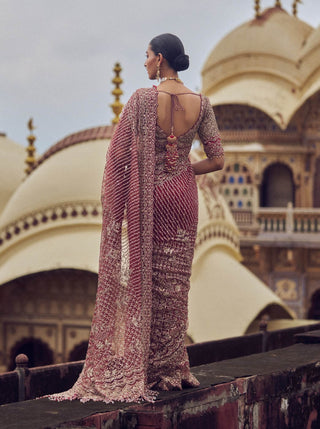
(278, 389)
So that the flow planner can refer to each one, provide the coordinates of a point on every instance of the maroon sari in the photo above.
(148, 232)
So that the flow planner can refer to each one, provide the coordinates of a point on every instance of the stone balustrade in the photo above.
(283, 220)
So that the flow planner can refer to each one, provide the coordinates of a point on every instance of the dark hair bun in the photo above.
(171, 47)
(181, 62)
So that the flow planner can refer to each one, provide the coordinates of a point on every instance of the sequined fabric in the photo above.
(136, 343)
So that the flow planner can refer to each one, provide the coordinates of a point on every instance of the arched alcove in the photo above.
(34, 306)
(37, 351)
(277, 188)
(269, 313)
(314, 310)
(231, 117)
(78, 352)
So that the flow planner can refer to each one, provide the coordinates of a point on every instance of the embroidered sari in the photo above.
(150, 213)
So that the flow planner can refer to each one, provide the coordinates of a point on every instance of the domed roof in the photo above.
(309, 65)
(226, 298)
(262, 64)
(275, 33)
(72, 172)
(57, 207)
(12, 156)
(311, 44)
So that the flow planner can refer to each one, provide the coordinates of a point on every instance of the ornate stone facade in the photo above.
(265, 173)
(47, 316)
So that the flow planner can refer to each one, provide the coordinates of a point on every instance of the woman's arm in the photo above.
(209, 135)
(208, 165)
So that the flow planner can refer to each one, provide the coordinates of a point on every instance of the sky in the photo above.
(57, 56)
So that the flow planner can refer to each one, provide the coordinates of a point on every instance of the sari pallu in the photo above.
(116, 364)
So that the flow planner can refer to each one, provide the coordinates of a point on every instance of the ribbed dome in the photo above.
(311, 44)
(53, 219)
(276, 33)
(68, 175)
(12, 156)
(261, 64)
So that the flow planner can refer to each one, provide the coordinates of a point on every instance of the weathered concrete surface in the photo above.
(279, 389)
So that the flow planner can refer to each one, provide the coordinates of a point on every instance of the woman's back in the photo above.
(178, 108)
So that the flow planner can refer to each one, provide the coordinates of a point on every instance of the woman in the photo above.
(150, 211)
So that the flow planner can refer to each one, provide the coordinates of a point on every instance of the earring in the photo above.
(158, 72)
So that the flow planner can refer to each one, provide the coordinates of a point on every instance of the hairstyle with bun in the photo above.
(171, 47)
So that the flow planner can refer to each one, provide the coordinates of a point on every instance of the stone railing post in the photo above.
(21, 369)
(263, 325)
(289, 218)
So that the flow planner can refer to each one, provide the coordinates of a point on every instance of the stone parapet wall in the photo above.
(277, 389)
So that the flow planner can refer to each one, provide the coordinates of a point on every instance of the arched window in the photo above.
(277, 188)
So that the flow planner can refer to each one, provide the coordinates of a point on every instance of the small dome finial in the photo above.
(117, 92)
(257, 8)
(295, 8)
(278, 4)
(30, 160)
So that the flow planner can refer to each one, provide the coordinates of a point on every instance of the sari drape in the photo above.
(116, 364)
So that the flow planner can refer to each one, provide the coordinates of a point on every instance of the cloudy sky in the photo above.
(57, 55)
